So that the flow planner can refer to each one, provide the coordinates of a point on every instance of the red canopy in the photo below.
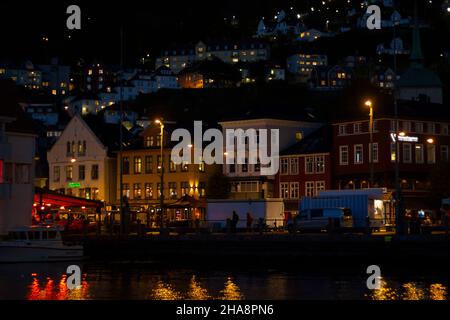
(42, 196)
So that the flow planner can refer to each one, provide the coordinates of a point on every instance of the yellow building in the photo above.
(185, 185)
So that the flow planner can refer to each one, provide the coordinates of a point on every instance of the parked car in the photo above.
(324, 219)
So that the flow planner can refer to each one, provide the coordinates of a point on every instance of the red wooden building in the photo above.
(305, 169)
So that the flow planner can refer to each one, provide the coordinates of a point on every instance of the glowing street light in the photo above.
(369, 104)
(161, 203)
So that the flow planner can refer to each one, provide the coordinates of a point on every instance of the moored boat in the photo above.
(38, 244)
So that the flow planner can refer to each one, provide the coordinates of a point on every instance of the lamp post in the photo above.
(398, 187)
(369, 104)
(161, 196)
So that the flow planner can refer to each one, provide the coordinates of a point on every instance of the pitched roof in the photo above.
(9, 108)
(317, 142)
(108, 133)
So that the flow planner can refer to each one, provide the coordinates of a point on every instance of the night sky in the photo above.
(149, 26)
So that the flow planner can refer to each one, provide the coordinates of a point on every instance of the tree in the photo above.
(219, 187)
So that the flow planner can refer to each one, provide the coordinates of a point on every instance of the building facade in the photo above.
(55, 78)
(246, 180)
(141, 186)
(305, 169)
(423, 144)
(80, 163)
(303, 64)
(17, 150)
(232, 52)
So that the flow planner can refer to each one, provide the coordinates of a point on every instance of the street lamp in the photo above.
(369, 104)
(161, 217)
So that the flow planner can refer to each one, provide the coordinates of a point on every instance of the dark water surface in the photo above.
(123, 280)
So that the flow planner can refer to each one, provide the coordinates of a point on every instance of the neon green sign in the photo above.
(73, 185)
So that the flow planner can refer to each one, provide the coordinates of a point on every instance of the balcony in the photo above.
(5, 151)
(5, 191)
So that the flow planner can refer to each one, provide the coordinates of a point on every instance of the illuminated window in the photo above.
(201, 166)
(126, 190)
(54, 92)
(173, 190)
(90, 72)
(184, 188)
(172, 166)
(69, 173)
(393, 152)
(137, 165)
(148, 191)
(137, 192)
(358, 149)
(284, 190)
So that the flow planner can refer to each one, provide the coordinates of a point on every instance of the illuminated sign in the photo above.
(404, 138)
(73, 185)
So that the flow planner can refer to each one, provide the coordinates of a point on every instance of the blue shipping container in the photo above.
(358, 204)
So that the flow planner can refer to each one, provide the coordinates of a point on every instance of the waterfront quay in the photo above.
(273, 248)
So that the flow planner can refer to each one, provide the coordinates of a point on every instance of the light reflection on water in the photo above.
(410, 291)
(48, 282)
(49, 289)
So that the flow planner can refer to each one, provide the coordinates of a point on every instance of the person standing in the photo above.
(249, 221)
(235, 220)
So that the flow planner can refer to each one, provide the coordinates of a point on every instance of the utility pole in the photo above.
(369, 104)
(122, 222)
(398, 190)
(161, 196)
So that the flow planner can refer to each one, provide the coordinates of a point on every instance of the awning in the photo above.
(44, 197)
(187, 202)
